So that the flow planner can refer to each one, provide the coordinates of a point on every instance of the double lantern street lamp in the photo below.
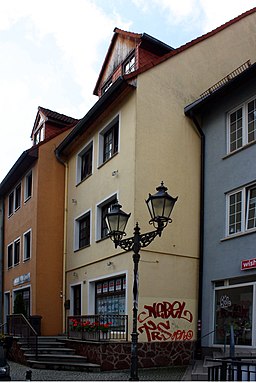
(160, 206)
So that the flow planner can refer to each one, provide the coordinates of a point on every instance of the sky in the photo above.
(51, 52)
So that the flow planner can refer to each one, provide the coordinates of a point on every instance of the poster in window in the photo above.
(105, 287)
(99, 288)
(118, 284)
(124, 283)
(111, 286)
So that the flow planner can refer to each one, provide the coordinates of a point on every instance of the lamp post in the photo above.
(160, 206)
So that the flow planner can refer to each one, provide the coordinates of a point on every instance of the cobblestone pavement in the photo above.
(18, 373)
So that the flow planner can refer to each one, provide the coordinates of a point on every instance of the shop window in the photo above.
(110, 296)
(234, 306)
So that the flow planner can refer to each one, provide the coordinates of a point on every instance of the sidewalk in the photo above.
(18, 373)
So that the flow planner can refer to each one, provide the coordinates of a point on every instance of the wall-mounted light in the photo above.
(115, 173)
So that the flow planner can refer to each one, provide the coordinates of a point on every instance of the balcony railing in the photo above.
(232, 369)
(98, 327)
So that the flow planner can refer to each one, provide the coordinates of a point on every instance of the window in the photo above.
(28, 186)
(84, 163)
(106, 86)
(110, 296)
(27, 245)
(242, 210)
(129, 65)
(108, 141)
(17, 196)
(11, 203)
(82, 231)
(10, 255)
(242, 126)
(102, 210)
(234, 306)
(16, 253)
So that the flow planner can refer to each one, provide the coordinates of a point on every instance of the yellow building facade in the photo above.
(152, 141)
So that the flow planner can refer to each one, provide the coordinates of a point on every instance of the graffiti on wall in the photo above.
(161, 321)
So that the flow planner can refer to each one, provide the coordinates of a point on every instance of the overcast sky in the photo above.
(52, 52)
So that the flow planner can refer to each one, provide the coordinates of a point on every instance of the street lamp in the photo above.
(160, 206)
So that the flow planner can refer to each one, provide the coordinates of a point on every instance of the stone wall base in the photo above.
(117, 355)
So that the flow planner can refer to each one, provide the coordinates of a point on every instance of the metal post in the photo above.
(134, 335)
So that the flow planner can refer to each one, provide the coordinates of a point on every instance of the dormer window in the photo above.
(106, 86)
(129, 65)
(39, 134)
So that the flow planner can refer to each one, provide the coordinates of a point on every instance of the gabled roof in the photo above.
(145, 41)
(21, 166)
(60, 120)
(227, 87)
(190, 44)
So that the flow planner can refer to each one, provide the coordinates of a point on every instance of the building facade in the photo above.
(133, 135)
(227, 117)
(32, 196)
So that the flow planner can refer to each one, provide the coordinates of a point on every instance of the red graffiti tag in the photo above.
(160, 332)
(166, 310)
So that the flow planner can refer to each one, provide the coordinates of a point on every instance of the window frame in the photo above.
(25, 245)
(11, 203)
(100, 222)
(244, 127)
(28, 189)
(129, 62)
(17, 197)
(10, 256)
(77, 230)
(113, 146)
(245, 200)
(16, 245)
(79, 163)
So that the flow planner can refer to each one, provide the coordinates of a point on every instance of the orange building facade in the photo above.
(32, 197)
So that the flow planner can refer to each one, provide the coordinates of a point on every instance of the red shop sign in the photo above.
(248, 264)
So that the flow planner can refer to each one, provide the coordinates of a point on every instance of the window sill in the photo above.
(101, 239)
(109, 159)
(83, 180)
(238, 235)
(239, 150)
(82, 248)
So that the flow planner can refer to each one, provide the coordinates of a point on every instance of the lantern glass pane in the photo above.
(158, 206)
(112, 222)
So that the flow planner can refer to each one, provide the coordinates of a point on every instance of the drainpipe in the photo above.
(191, 115)
(1, 257)
(64, 240)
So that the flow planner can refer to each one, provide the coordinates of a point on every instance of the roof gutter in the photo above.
(104, 101)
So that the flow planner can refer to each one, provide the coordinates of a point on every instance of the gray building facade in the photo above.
(225, 116)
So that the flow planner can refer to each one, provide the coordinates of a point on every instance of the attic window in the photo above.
(106, 86)
(39, 135)
(129, 65)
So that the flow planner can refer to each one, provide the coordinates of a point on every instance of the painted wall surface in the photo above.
(157, 143)
(223, 256)
(43, 213)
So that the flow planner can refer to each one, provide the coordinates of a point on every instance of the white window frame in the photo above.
(26, 195)
(25, 245)
(76, 229)
(7, 255)
(245, 141)
(11, 203)
(98, 212)
(101, 136)
(245, 192)
(17, 240)
(87, 147)
(15, 197)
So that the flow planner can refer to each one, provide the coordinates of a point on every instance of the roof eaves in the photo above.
(108, 98)
(24, 162)
(233, 82)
